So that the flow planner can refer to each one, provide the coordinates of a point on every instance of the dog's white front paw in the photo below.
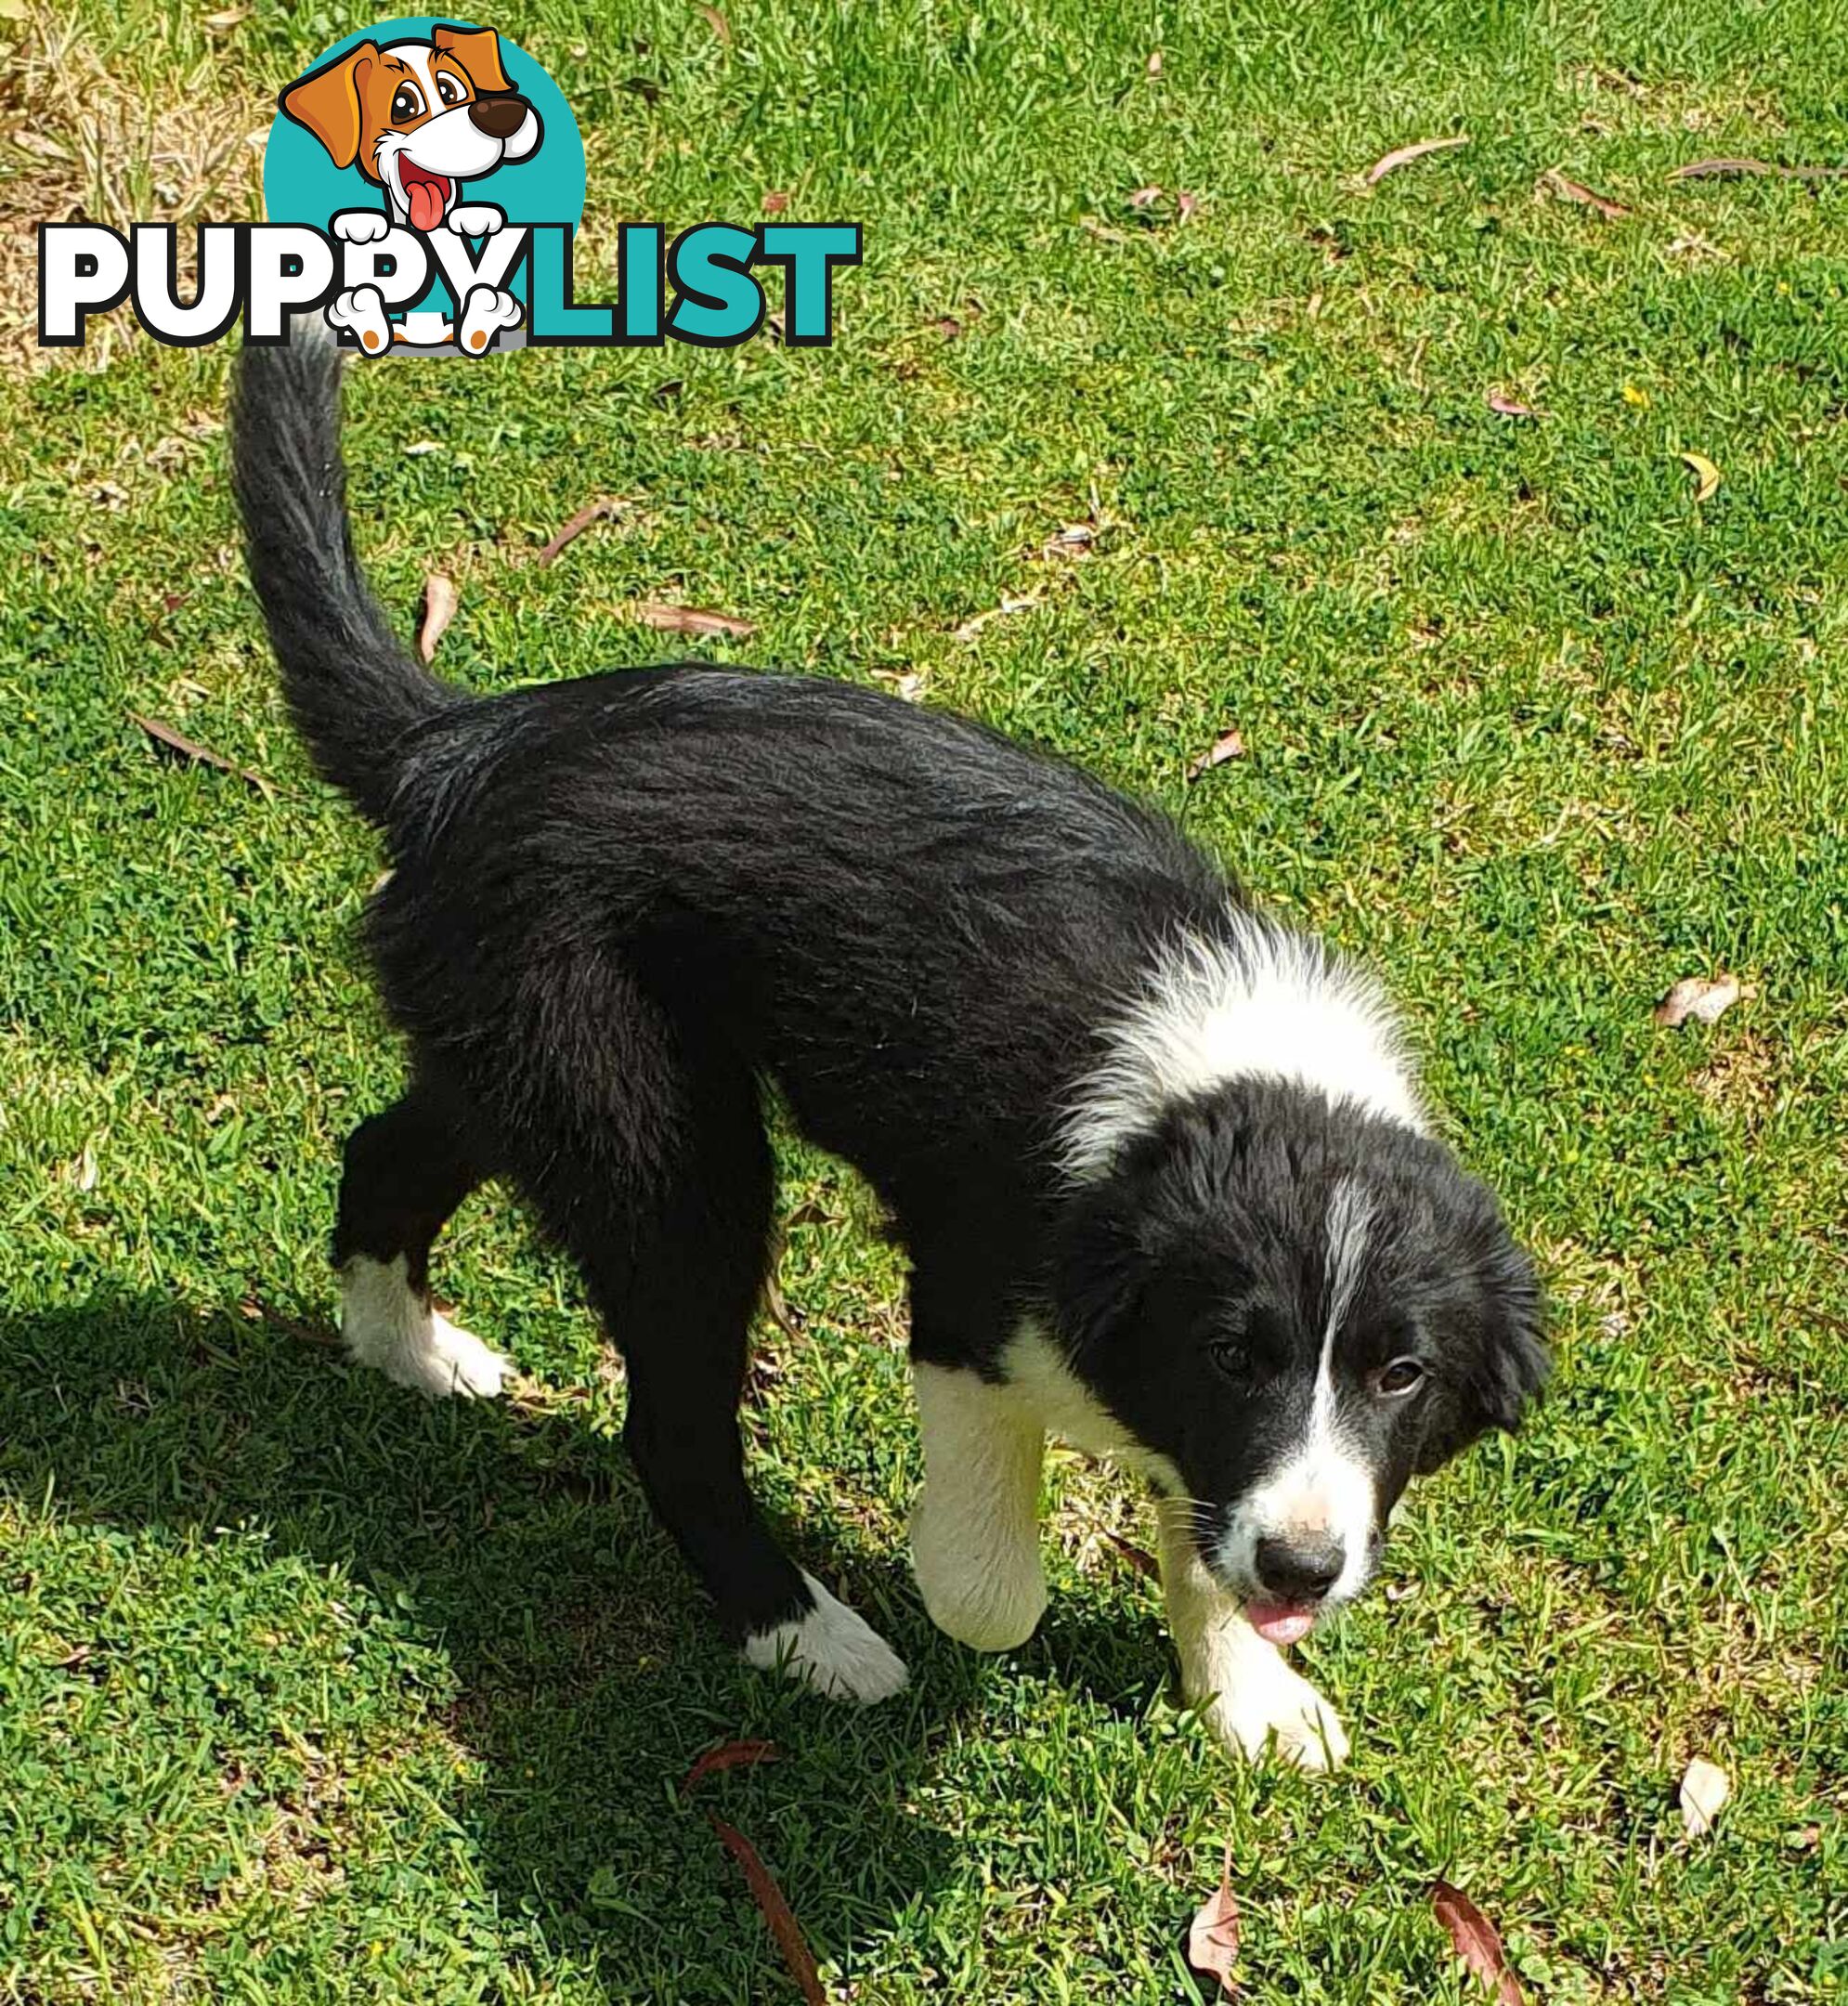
(387, 1325)
(831, 1648)
(475, 219)
(485, 313)
(360, 226)
(1274, 1710)
(362, 312)
(981, 1585)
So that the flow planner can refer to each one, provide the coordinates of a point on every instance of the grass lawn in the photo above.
(312, 1692)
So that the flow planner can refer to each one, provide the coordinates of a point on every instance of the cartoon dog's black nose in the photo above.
(1300, 1570)
(500, 116)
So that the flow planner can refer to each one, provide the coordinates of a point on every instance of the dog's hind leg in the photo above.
(670, 1234)
(406, 1172)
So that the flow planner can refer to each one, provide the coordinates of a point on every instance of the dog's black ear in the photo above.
(1503, 1359)
(1103, 1253)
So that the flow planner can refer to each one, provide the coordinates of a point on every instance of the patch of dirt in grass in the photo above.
(79, 142)
(1741, 1080)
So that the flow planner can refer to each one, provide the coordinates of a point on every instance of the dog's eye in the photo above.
(1400, 1378)
(407, 102)
(447, 89)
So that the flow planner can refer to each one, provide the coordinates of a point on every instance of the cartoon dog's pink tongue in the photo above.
(1279, 1622)
(424, 195)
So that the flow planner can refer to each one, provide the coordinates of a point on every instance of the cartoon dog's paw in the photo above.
(360, 226)
(485, 313)
(361, 313)
(1279, 1712)
(475, 219)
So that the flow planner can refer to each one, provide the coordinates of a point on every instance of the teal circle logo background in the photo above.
(301, 185)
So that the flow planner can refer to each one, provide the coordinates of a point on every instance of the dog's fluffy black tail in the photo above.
(353, 689)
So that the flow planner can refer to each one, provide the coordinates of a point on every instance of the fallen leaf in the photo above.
(1633, 396)
(1229, 744)
(728, 1756)
(1508, 407)
(591, 511)
(1139, 1557)
(440, 601)
(1475, 1941)
(228, 17)
(1185, 206)
(1213, 1935)
(190, 749)
(948, 326)
(1155, 64)
(1706, 474)
(716, 21)
(1404, 156)
(1568, 189)
(1704, 1790)
(691, 620)
(776, 200)
(1144, 198)
(418, 447)
(774, 1909)
(84, 1171)
(1697, 997)
(1010, 603)
(1719, 169)
(1077, 536)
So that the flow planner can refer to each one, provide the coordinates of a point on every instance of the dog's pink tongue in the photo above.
(426, 204)
(1279, 1622)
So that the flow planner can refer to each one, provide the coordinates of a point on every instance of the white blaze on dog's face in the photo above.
(1299, 1304)
(418, 118)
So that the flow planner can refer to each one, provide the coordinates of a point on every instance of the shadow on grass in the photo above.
(515, 1540)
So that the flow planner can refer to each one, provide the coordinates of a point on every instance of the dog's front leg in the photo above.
(1247, 1694)
(975, 1531)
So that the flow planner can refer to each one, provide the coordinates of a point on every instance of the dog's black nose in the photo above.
(500, 117)
(1301, 1570)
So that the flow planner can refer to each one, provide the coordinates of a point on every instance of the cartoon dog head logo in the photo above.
(419, 117)
(433, 154)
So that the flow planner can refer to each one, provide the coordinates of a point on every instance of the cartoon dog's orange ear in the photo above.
(327, 102)
(478, 51)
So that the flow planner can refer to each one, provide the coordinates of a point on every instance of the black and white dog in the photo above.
(1164, 1176)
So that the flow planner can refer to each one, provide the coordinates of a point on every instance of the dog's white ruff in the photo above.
(831, 1648)
(1267, 1003)
(386, 1323)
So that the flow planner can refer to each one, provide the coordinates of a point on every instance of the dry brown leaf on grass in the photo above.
(1706, 475)
(774, 1905)
(1213, 1935)
(1229, 744)
(1715, 170)
(177, 741)
(728, 1756)
(1010, 602)
(683, 619)
(1704, 1790)
(591, 511)
(440, 601)
(1476, 1942)
(1568, 189)
(1154, 62)
(1186, 205)
(1138, 1557)
(1404, 156)
(776, 200)
(1144, 198)
(716, 21)
(1505, 406)
(1702, 997)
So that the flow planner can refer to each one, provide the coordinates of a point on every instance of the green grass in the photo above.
(310, 1692)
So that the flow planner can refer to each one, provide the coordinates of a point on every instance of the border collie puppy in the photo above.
(1166, 1182)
